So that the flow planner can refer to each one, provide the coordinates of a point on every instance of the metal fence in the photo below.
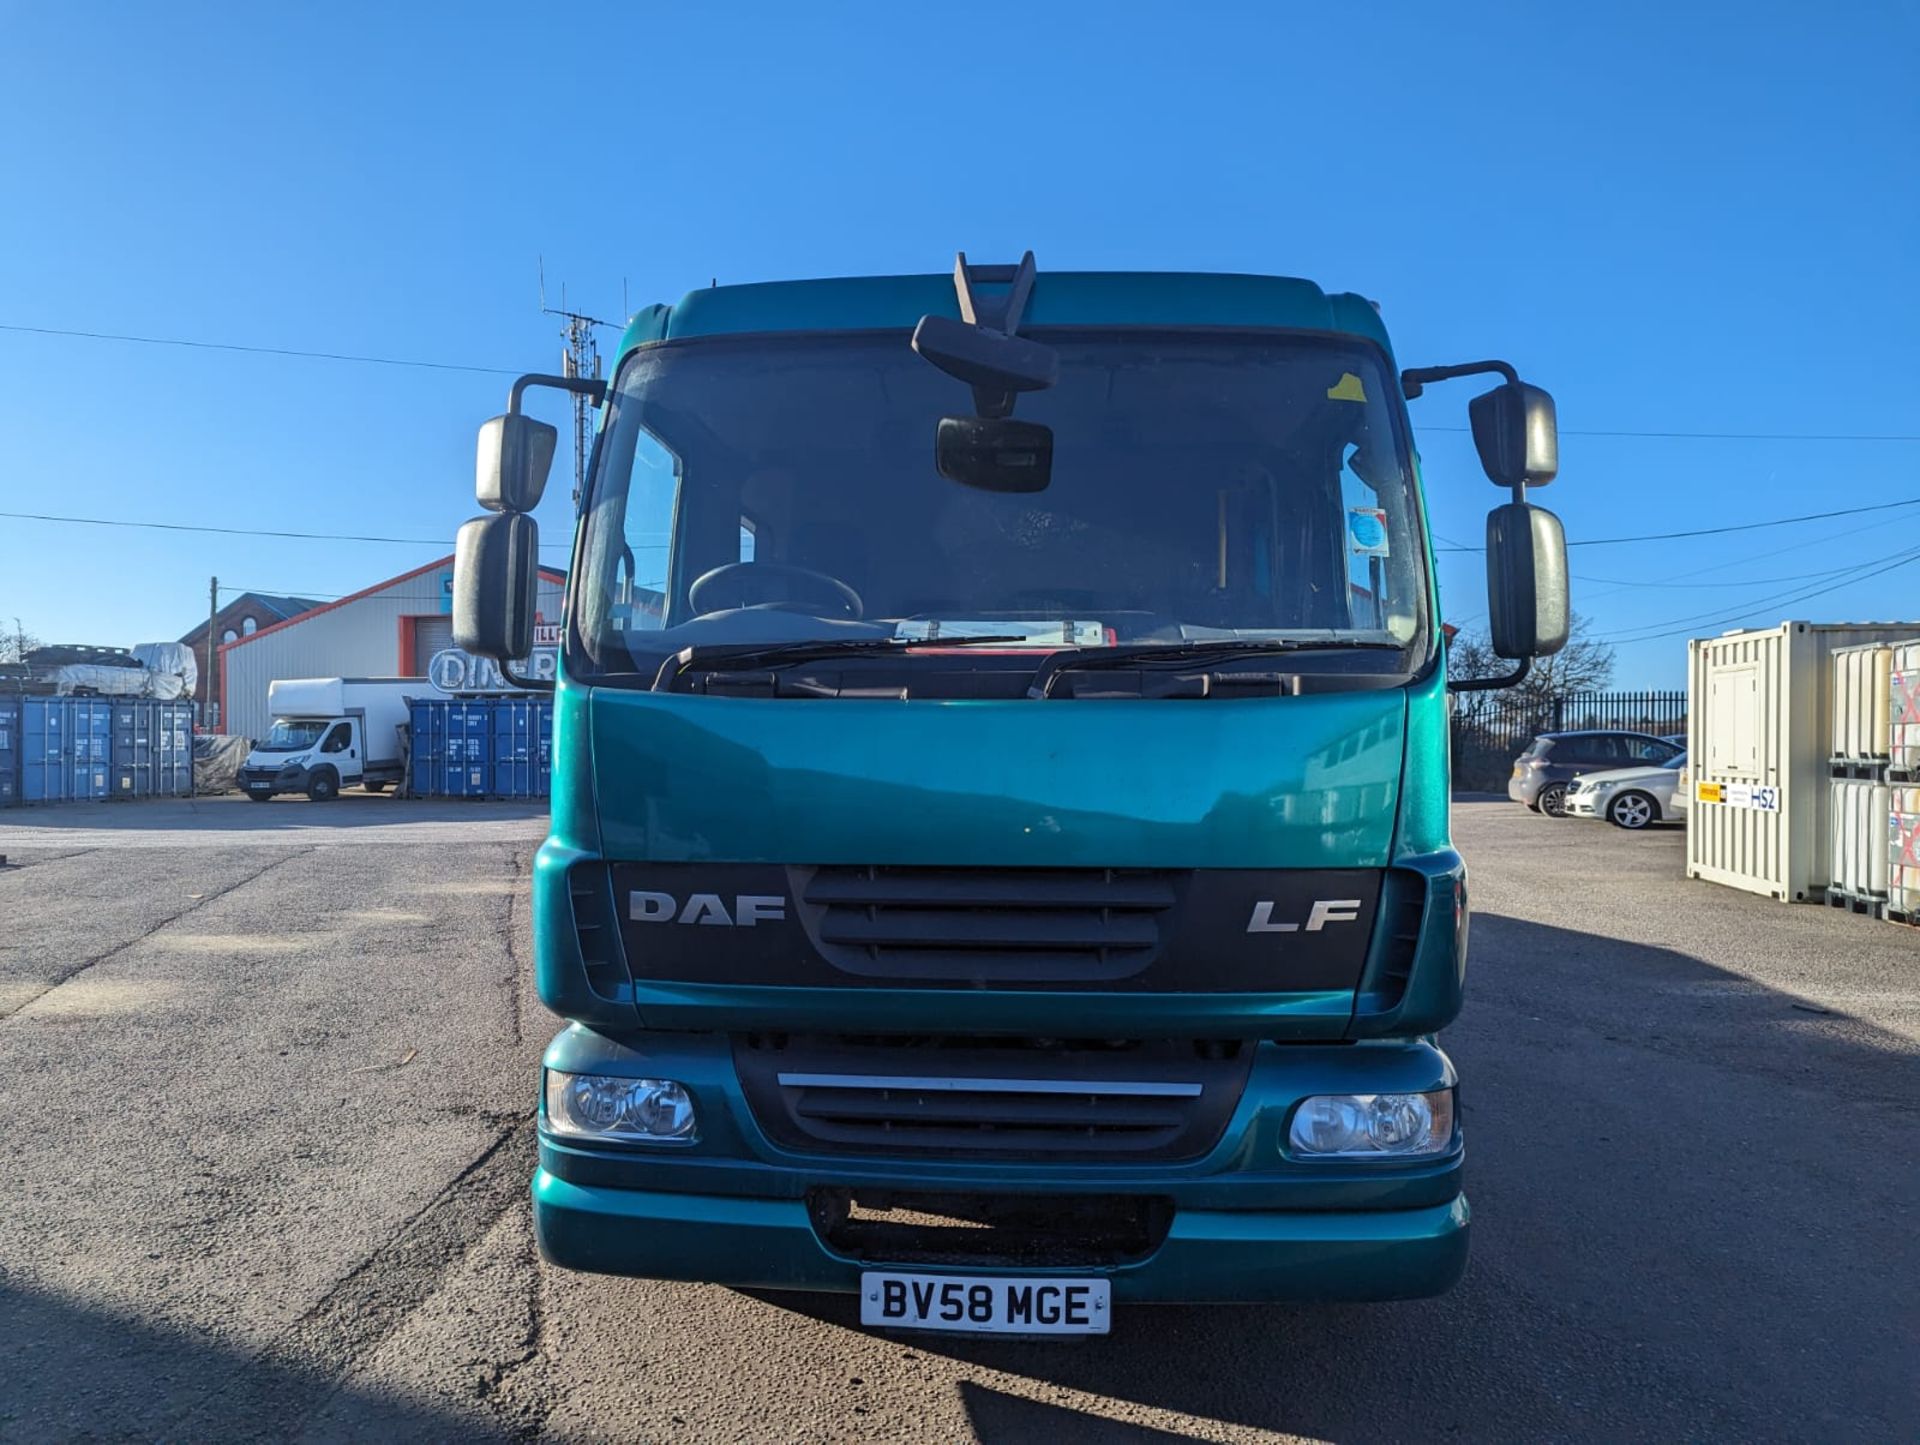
(1491, 728)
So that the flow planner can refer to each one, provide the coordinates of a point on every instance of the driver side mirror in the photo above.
(512, 462)
(496, 585)
(1517, 435)
(1527, 603)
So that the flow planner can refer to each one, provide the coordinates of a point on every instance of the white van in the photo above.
(330, 733)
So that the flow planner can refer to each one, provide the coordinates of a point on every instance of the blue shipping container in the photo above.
(82, 749)
(488, 747)
(173, 750)
(9, 751)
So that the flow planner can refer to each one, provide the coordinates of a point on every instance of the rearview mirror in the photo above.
(1516, 434)
(511, 465)
(495, 585)
(995, 454)
(1527, 606)
(990, 361)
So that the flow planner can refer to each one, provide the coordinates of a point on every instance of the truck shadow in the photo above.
(232, 813)
(1689, 1220)
(85, 1373)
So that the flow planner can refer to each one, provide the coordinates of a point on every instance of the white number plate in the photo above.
(974, 1304)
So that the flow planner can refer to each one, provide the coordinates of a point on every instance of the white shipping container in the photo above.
(1903, 851)
(1862, 678)
(1859, 811)
(1903, 710)
(1760, 733)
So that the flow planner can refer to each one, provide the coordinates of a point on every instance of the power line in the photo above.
(248, 531)
(1680, 625)
(262, 350)
(1720, 531)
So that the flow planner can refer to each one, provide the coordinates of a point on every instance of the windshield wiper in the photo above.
(709, 656)
(1196, 651)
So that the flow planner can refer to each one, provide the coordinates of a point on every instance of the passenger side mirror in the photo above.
(995, 454)
(1527, 604)
(510, 468)
(496, 582)
(1516, 434)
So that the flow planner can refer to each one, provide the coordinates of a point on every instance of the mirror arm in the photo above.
(1415, 379)
(1491, 684)
(583, 385)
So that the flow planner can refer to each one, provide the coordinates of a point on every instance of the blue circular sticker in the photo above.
(1366, 530)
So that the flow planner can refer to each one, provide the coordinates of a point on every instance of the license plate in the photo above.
(258, 787)
(988, 1305)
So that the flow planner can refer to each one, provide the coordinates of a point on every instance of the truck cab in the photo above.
(999, 862)
(329, 733)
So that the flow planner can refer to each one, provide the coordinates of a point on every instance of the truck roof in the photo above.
(1060, 298)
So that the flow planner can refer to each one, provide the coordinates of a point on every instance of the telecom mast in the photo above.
(579, 357)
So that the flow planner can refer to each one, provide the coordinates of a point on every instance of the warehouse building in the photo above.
(393, 629)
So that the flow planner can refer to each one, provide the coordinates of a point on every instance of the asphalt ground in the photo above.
(268, 1073)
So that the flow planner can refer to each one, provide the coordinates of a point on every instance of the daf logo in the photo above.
(707, 908)
(1324, 911)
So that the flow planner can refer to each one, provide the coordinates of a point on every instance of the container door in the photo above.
(44, 774)
(95, 780)
(10, 751)
(543, 748)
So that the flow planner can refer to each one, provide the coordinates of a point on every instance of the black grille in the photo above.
(1035, 1231)
(1004, 1098)
(595, 925)
(1033, 925)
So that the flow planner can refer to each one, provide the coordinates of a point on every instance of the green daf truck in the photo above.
(999, 862)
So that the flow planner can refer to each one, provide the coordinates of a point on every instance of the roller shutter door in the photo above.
(430, 635)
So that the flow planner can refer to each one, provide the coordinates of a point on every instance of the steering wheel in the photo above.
(746, 584)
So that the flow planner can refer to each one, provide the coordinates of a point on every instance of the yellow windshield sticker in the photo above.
(1348, 388)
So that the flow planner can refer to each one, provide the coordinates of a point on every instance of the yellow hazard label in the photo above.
(1347, 388)
(1710, 792)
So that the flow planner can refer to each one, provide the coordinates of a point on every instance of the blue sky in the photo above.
(1700, 218)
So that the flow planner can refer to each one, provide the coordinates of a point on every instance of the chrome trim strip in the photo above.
(948, 1084)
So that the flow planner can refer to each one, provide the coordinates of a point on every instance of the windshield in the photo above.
(292, 735)
(1206, 485)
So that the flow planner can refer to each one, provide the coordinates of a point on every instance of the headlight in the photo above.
(1601, 787)
(1372, 1126)
(600, 1106)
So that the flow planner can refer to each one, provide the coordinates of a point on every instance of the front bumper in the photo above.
(270, 781)
(1587, 805)
(1208, 1255)
(1247, 1222)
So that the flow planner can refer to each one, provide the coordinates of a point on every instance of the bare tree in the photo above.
(1583, 665)
(16, 642)
(1487, 725)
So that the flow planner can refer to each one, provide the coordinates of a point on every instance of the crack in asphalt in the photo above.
(514, 958)
(297, 1371)
(74, 971)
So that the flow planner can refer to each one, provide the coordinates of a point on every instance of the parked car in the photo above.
(1631, 798)
(1552, 760)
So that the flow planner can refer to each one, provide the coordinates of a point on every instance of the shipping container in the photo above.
(1903, 854)
(172, 750)
(9, 751)
(84, 749)
(482, 747)
(1760, 739)
(1903, 712)
(1857, 867)
(1862, 677)
(133, 748)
